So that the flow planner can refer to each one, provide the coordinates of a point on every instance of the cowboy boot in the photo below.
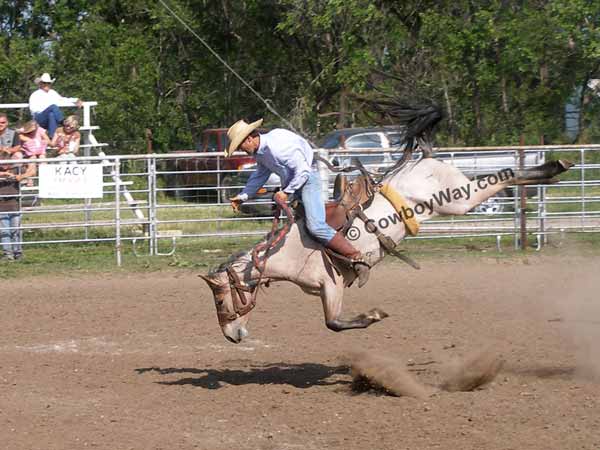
(340, 244)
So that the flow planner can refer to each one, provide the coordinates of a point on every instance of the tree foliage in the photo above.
(500, 69)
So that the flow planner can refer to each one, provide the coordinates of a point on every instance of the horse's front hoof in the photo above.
(377, 314)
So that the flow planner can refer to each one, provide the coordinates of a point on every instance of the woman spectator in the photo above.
(34, 140)
(66, 139)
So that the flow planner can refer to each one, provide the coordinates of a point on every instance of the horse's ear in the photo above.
(209, 280)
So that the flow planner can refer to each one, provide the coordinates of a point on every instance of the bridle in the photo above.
(243, 295)
(239, 291)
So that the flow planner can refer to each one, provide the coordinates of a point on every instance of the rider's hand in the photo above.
(235, 203)
(280, 197)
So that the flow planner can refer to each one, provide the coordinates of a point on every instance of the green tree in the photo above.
(500, 69)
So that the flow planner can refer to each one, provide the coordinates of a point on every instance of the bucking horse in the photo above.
(375, 214)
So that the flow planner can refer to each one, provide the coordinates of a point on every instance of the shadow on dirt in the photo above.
(300, 376)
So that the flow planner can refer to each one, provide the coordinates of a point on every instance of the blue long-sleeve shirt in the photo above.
(284, 153)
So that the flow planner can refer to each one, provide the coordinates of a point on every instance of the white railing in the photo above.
(167, 207)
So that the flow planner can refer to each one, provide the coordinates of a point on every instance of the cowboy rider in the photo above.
(290, 157)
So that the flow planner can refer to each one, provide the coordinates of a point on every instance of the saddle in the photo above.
(347, 196)
(351, 198)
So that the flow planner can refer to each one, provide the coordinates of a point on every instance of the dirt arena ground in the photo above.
(138, 362)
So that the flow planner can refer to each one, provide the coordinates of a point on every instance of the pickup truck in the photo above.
(205, 178)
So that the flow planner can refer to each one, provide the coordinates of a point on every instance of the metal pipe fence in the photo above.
(153, 204)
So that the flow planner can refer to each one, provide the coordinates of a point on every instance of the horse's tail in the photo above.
(419, 121)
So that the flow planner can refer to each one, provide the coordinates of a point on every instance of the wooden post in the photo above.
(343, 109)
(523, 195)
(148, 141)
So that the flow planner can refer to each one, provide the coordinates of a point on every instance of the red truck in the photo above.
(197, 178)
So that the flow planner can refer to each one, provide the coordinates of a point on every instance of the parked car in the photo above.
(367, 138)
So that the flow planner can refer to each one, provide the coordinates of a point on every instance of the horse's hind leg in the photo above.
(463, 195)
(543, 173)
(332, 294)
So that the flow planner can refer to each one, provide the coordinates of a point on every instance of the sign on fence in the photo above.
(70, 180)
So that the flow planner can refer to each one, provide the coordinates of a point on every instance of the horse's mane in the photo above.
(407, 166)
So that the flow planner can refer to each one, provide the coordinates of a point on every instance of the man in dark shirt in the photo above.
(9, 139)
(11, 175)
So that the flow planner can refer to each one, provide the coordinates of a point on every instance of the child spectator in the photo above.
(66, 139)
(34, 140)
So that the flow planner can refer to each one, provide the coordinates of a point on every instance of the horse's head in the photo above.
(232, 307)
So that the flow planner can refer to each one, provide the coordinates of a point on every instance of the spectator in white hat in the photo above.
(44, 104)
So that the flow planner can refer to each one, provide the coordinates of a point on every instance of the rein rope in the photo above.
(242, 302)
(275, 236)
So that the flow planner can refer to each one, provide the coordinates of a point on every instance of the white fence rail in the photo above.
(151, 204)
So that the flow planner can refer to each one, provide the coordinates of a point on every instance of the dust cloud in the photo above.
(578, 316)
(474, 372)
(388, 373)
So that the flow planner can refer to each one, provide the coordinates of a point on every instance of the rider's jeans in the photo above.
(314, 209)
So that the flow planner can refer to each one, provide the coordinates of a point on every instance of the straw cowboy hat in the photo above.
(28, 127)
(45, 78)
(238, 132)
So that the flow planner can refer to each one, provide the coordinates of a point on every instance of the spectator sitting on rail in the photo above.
(9, 139)
(11, 176)
(44, 104)
(66, 139)
(34, 140)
